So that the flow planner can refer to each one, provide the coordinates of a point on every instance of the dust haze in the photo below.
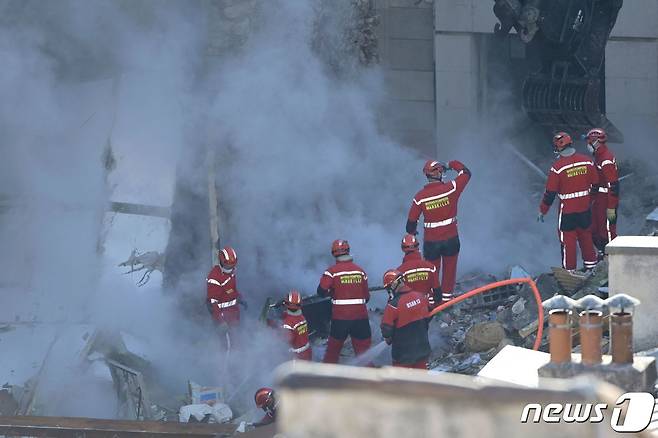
(302, 160)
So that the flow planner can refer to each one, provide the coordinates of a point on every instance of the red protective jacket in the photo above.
(296, 330)
(405, 323)
(571, 179)
(606, 166)
(223, 295)
(437, 202)
(419, 274)
(347, 285)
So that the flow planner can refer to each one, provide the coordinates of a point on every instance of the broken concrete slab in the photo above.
(518, 271)
(516, 365)
(653, 216)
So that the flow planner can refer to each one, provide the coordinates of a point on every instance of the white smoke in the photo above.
(307, 163)
(303, 160)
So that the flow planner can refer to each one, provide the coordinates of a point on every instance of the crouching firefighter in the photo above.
(265, 399)
(571, 179)
(405, 323)
(296, 327)
(347, 285)
(437, 202)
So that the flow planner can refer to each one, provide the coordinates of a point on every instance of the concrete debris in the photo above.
(204, 413)
(487, 300)
(463, 363)
(653, 216)
(484, 336)
(518, 307)
(570, 282)
(517, 271)
(134, 402)
(8, 404)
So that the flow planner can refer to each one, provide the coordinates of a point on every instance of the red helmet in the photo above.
(228, 258)
(294, 300)
(264, 397)
(409, 244)
(596, 135)
(434, 169)
(340, 247)
(561, 140)
(392, 276)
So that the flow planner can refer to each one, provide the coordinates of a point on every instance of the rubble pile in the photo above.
(471, 333)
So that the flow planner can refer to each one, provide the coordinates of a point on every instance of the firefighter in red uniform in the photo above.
(606, 195)
(295, 326)
(265, 399)
(405, 323)
(419, 274)
(223, 296)
(437, 202)
(347, 285)
(571, 178)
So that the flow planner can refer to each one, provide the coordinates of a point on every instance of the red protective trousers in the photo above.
(602, 230)
(448, 274)
(358, 330)
(334, 346)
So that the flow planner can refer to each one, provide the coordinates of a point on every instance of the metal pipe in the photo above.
(621, 337)
(559, 335)
(591, 333)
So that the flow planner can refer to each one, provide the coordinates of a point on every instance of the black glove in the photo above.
(438, 297)
(243, 303)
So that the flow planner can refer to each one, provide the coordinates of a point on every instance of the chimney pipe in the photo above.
(559, 336)
(622, 307)
(621, 337)
(559, 324)
(591, 333)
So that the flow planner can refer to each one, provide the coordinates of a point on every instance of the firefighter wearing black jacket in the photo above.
(405, 323)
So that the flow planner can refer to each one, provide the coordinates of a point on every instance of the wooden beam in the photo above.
(98, 428)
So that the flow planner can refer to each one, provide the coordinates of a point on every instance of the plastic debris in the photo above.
(204, 413)
(204, 394)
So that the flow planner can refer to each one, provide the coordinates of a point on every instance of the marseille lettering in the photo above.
(351, 279)
(417, 276)
(437, 203)
(580, 170)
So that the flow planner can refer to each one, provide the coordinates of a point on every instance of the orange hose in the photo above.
(485, 288)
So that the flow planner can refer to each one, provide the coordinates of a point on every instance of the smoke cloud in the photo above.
(302, 159)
